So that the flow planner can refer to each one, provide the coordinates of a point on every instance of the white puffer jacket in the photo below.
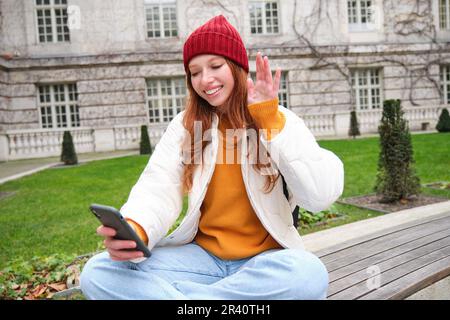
(314, 176)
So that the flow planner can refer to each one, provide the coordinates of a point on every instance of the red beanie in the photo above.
(217, 36)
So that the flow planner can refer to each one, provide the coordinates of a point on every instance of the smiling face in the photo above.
(211, 78)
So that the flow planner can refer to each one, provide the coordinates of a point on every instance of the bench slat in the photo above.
(353, 242)
(412, 282)
(399, 271)
(366, 249)
(390, 263)
(385, 255)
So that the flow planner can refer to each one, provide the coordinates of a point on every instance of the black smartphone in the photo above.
(111, 217)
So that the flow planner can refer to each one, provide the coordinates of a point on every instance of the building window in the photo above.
(161, 19)
(444, 14)
(51, 17)
(360, 15)
(264, 17)
(445, 83)
(58, 105)
(165, 98)
(283, 92)
(367, 89)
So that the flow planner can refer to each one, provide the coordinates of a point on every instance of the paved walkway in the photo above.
(16, 169)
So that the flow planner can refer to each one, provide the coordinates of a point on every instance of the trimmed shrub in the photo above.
(396, 178)
(68, 154)
(443, 124)
(145, 146)
(354, 126)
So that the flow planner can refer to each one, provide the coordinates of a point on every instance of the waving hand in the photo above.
(265, 88)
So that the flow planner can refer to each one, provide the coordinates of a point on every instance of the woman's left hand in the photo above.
(265, 88)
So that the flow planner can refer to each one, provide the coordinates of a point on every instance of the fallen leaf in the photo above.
(39, 290)
(59, 286)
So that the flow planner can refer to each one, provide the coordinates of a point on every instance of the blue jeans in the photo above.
(190, 272)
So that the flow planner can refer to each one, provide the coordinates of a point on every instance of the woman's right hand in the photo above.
(117, 248)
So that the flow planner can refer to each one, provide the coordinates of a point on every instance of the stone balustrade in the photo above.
(320, 124)
(419, 118)
(23, 144)
(129, 136)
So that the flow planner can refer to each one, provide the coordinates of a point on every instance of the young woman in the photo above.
(237, 240)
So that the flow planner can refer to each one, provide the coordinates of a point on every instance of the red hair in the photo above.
(198, 109)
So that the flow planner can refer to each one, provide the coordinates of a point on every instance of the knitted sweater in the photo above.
(229, 227)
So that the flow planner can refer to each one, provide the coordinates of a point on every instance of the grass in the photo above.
(48, 213)
(360, 158)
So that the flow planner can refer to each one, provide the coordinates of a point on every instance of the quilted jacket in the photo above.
(314, 177)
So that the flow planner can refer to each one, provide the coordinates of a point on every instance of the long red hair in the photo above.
(198, 109)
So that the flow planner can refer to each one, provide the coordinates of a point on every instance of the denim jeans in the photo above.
(190, 272)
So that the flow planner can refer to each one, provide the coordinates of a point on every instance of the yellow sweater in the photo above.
(229, 227)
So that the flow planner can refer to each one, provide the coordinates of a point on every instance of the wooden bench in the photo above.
(390, 264)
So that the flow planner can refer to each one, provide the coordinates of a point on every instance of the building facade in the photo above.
(101, 69)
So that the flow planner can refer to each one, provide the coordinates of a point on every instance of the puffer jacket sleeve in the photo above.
(314, 176)
(156, 200)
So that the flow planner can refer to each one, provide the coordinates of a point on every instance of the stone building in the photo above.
(104, 68)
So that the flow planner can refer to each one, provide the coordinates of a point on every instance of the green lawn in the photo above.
(360, 158)
(48, 213)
